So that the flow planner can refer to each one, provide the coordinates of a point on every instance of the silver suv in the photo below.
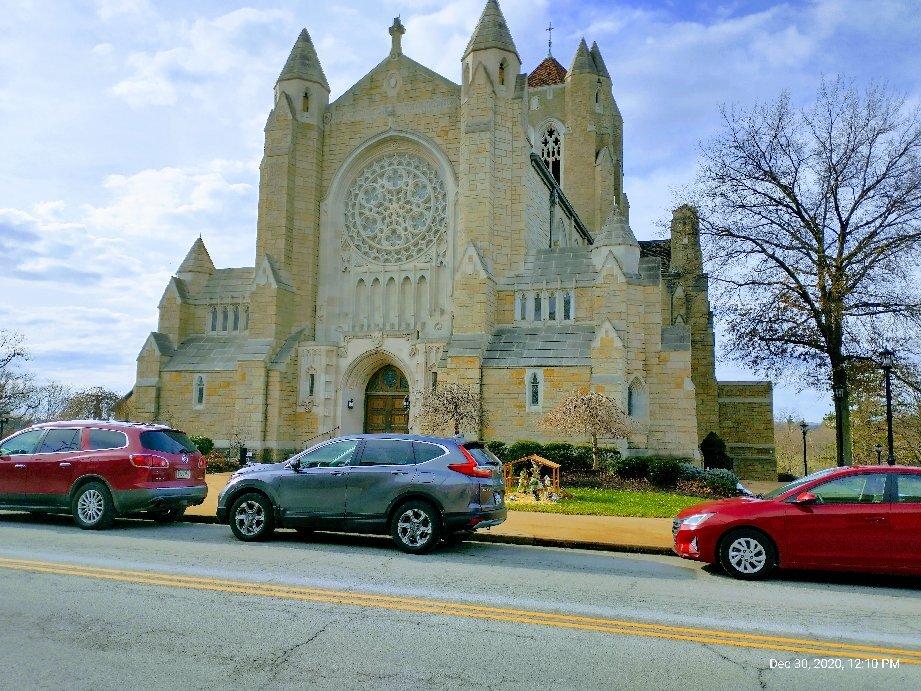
(418, 489)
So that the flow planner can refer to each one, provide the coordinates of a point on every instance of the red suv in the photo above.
(864, 518)
(97, 470)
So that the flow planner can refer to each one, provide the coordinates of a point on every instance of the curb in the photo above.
(525, 540)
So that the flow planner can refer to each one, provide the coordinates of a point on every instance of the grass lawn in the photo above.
(613, 502)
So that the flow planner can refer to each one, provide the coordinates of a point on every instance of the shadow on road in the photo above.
(826, 579)
(322, 543)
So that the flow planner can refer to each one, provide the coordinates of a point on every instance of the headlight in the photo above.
(695, 520)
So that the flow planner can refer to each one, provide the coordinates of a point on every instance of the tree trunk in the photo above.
(842, 411)
(456, 427)
(596, 457)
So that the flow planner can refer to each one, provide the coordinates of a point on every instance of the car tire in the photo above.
(252, 517)
(170, 515)
(415, 527)
(92, 507)
(456, 538)
(747, 554)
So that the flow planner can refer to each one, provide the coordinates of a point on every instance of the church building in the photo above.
(416, 231)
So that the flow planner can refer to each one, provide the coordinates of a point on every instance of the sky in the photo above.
(130, 127)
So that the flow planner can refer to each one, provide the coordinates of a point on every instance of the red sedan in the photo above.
(865, 518)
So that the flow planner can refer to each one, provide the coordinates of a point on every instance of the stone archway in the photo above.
(385, 406)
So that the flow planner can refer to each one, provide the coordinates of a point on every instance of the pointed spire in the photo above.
(303, 62)
(197, 260)
(600, 67)
(582, 62)
(491, 31)
(616, 230)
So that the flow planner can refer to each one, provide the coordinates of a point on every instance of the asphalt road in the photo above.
(188, 606)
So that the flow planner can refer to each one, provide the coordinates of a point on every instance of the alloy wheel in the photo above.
(250, 518)
(414, 527)
(747, 555)
(91, 506)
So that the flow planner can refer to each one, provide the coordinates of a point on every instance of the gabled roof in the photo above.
(548, 72)
(600, 67)
(582, 62)
(197, 260)
(303, 62)
(491, 31)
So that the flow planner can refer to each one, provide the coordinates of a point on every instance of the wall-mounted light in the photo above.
(351, 404)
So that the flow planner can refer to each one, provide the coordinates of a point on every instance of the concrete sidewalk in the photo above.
(622, 534)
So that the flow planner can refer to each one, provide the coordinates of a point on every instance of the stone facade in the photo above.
(474, 232)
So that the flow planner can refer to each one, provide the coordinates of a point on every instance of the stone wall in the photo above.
(746, 412)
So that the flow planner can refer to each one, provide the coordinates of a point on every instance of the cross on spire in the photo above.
(549, 38)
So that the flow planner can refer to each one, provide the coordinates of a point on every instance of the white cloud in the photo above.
(103, 49)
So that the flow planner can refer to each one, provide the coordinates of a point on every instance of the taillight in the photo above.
(470, 467)
(145, 460)
(202, 463)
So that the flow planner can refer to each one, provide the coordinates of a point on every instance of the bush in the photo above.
(713, 449)
(663, 471)
(572, 459)
(204, 444)
(786, 477)
(722, 482)
(631, 467)
(499, 448)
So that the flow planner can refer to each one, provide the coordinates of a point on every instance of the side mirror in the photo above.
(805, 499)
(295, 465)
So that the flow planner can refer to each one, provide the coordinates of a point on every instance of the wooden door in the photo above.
(385, 396)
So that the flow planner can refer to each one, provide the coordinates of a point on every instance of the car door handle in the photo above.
(64, 465)
(20, 465)
(399, 472)
(336, 472)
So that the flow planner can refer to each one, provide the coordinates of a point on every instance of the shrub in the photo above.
(631, 467)
(713, 449)
(204, 444)
(786, 477)
(663, 471)
(722, 482)
(499, 448)
(574, 459)
(691, 472)
(523, 448)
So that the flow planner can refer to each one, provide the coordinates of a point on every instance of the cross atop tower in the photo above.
(549, 39)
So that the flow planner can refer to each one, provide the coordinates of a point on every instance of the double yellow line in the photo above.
(735, 639)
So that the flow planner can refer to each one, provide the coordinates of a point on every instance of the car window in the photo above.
(387, 452)
(797, 483)
(58, 440)
(865, 488)
(337, 454)
(483, 456)
(426, 452)
(167, 441)
(22, 443)
(106, 439)
(909, 489)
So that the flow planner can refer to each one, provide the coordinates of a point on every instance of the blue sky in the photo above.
(129, 127)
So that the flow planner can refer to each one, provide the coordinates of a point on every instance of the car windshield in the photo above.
(797, 483)
(167, 441)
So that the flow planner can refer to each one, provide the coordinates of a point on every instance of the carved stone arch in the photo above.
(637, 399)
(549, 142)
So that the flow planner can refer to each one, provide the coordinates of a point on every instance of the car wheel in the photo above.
(456, 538)
(170, 515)
(415, 527)
(747, 554)
(92, 507)
(252, 517)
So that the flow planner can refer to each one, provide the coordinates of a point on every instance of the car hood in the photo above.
(717, 505)
(259, 468)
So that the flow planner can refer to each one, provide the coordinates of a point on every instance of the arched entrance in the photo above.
(385, 397)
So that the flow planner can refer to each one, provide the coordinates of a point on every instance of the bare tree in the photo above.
(17, 385)
(812, 215)
(590, 414)
(95, 403)
(452, 405)
(50, 401)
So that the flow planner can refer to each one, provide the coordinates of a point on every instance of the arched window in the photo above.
(236, 318)
(305, 101)
(502, 72)
(522, 307)
(311, 383)
(434, 380)
(567, 306)
(537, 308)
(245, 318)
(551, 307)
(551, 151)
(199, 390)
(636, 399)
(535, 389)
(224, 318)
(214, 318)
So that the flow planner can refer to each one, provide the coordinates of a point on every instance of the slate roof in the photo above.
(657, 248)
(303, 63)
(547, 73)
(491, 31)
(599, 61)
(216, 353)
(227, 285)
(526, 346)
(197, 260)
(582, 61)
(554, 266)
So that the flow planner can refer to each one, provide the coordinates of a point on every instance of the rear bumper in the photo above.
(133, 500)
(474, 520)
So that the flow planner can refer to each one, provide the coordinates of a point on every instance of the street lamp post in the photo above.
(887, 359)
(838, 394)
(879, 453)
(805, 427)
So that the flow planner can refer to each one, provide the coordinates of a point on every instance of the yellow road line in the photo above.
(800, 646)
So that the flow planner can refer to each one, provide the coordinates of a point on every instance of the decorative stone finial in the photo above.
(396, 36)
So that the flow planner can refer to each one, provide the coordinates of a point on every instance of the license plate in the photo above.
(183, 474)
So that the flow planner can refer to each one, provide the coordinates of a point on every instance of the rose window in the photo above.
(395, 209)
